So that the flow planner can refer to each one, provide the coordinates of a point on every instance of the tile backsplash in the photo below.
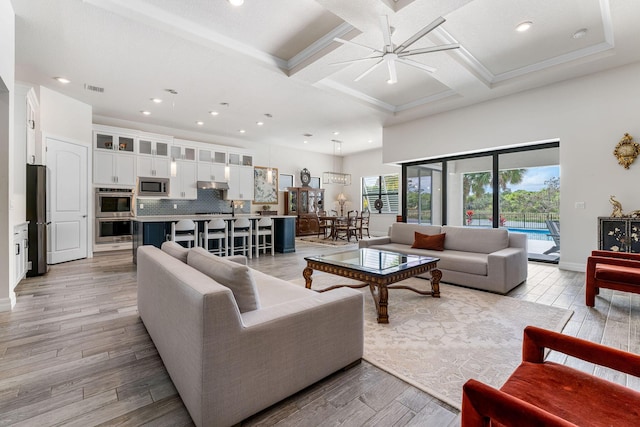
(208, 201)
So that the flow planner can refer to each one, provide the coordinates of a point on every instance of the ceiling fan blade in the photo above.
(429, 49)
(416, 64)
(370, 69)
(417, 36)
(351, 61)
(393, 73)
(386, 33)
(343, 41)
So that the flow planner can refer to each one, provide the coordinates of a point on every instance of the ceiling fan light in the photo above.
(523, 26)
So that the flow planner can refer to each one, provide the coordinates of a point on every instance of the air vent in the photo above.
(94, 88)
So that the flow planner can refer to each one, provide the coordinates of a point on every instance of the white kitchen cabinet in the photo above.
(111, 167)
(150, 147)
(114, 142)
(20, 247)
(184, 184)
(182, 152)
(153, 166)
(240, 183)
(210, 172)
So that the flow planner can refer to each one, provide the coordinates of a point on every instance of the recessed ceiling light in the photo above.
(523, 26)
(213, 113)
(156, 100)
(581, 33)
(62, 80)
(259, 123)
(242, 131)
(370, 141)
(200, 123)
(146, 113)
(392, 82)
(336, 133)
(236, 2)
(305, 141)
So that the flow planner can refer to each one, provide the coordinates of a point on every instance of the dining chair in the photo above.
(364, 222)
(216, 231)
(324, 224)
(346, 227)
(184, 230)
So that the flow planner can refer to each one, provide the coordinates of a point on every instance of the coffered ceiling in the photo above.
(273, 61)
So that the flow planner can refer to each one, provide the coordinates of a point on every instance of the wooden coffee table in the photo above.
(376, 269)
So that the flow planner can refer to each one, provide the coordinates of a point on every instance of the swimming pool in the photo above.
(532, 233)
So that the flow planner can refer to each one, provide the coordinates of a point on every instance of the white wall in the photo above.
(588, 116)
(7, 79)
(364, 164)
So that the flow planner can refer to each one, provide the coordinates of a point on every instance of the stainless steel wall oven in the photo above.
(113, 209)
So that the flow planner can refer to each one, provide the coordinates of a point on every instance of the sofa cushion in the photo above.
(234, 276)
(404, 233)
(480, 240)
(434, 242)
(176, 250)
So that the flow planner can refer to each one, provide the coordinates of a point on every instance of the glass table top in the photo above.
(373, 260)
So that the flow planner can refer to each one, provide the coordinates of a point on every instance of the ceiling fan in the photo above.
(391, 54)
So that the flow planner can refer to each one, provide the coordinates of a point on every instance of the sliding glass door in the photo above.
(515, 188)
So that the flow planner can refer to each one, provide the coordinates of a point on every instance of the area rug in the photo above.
(326, 242)
(437, 344)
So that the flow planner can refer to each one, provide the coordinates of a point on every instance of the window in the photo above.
(384, 188)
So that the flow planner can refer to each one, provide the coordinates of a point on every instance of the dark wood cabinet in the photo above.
(305, 202)
(619, 234)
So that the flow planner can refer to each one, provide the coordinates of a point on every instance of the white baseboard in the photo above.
(6, 304)
(572, 266)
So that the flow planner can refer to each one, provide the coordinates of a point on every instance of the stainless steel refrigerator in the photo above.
(37, 217)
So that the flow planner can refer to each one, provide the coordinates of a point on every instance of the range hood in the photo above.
(216, 185)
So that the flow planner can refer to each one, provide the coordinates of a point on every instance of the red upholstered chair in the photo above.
(612, 270)
(540, 393)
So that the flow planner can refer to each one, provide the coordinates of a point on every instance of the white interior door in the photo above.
(67, 199)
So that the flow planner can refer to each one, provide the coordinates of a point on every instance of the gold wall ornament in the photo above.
(626, 151)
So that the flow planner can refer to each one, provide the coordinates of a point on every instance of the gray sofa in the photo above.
(228, 363)
(490, 259)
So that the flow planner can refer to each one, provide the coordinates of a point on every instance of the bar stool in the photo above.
(215, 230)
(184, 230)
(241, 227)
(263, 229)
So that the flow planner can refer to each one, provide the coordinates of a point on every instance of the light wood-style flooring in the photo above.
(74, 352)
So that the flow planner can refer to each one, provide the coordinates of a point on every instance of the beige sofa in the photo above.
(490, 259)
(227, 364)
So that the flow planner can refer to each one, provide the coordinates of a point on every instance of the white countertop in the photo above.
(203, 217)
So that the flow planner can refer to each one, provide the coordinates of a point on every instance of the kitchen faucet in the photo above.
(233, 209)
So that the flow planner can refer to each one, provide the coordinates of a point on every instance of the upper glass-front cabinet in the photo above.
(212, 156)
(183, 153)
(113, 142)
(153, 148)
(240, 159)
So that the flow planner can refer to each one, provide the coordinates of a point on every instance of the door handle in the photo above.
(84, 216)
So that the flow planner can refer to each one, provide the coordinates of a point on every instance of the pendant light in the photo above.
(336, 177)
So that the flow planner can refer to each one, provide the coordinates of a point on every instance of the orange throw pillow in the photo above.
(434, 242)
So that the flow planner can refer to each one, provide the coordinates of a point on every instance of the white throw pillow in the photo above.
(234, 276)
(176, 250)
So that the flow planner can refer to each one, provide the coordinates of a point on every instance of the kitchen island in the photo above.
(155, 230)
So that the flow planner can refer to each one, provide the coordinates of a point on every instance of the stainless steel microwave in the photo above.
(153, 187)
